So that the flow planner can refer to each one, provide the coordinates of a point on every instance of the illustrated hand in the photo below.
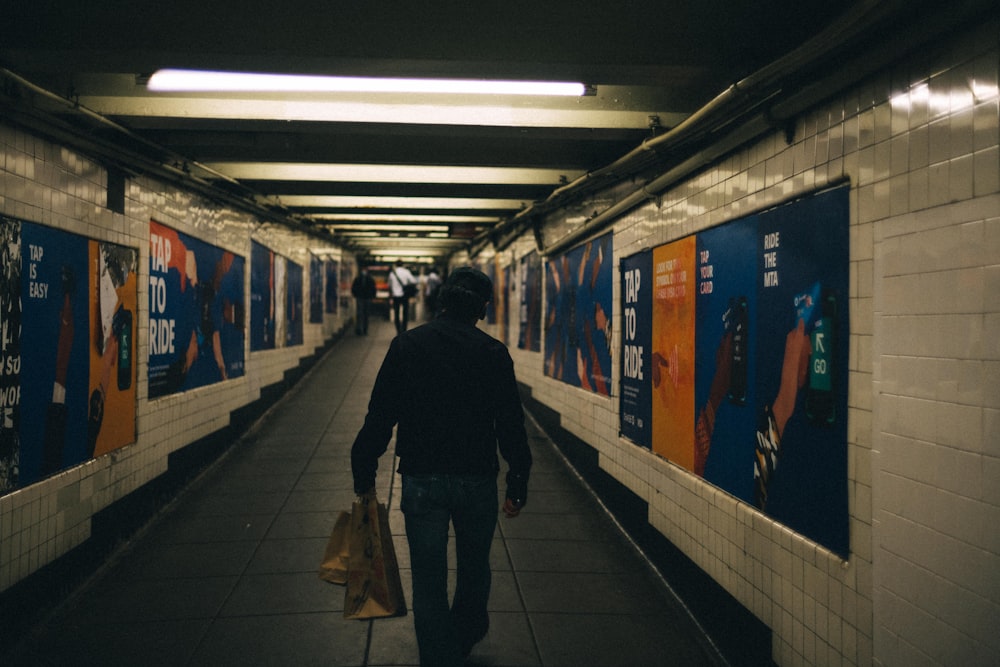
(794, 371)
(658, 361)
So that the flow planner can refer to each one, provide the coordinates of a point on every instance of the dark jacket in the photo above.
(451, 390)
(363, 286)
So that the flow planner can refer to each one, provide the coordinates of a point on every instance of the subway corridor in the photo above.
(227, 573)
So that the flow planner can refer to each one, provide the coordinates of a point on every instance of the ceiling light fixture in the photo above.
(393, 173)
(403, 217)
(389, 228)
(179, 80)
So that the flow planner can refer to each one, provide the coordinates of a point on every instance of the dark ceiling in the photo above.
(652, 62)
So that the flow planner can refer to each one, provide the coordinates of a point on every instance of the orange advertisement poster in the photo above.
(673, 349)
(112, 397)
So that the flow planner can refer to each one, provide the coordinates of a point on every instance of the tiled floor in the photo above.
(228, 574)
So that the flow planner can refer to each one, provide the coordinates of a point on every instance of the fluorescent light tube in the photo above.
(177, 80)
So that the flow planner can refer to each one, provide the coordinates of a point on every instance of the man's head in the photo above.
(465, 293)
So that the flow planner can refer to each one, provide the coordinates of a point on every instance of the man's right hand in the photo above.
(512, 508)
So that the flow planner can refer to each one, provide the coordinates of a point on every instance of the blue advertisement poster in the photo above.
(800, 458)
(725, 398)
(637, 331)
(197, 312)
(293, 305)
(578, 316)
(530, 333)
(262, 298)
(54, 379)
(332, 285)
(316, 296)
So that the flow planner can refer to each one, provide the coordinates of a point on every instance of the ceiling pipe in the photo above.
(733, 102)
(140, 163)
(761, 89)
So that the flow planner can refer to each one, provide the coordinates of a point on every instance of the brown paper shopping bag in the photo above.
(338, 550)
(374, 589)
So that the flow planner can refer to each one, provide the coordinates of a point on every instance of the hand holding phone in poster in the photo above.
(721, 387)
(794, 372)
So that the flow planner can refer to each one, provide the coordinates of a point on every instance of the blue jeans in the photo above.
(446, 633)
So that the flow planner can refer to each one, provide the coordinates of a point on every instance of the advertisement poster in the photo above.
(500, 290)
(70, 394)
(293, 305)
(316, 295)
(530, 333)
(489, 268)
(263, 325)
(800, 459)
(196, 312)
(10, 355)
(672, 358)
(637, 335)
(725, 395)
(346, 279)
(507, 299)
(280, 297)
(749, 360)
(578, 316)
(331, 296)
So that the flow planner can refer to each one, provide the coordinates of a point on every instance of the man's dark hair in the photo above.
(465, 293)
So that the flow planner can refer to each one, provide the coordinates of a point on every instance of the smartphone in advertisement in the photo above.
(122, 327)
(739, 320)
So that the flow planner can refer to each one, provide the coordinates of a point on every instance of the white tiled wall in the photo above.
(921, 150)
(44, 183)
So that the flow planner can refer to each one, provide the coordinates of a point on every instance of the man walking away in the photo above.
(402, 286)
(450, 390)
(363, 289)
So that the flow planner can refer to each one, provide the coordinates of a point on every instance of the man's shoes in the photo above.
(468, 644)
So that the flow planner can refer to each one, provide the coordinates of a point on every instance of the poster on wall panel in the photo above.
(800, 459)
(510, 296)
(672, 351)
(637, 332)
(578, 287)
(749, 359)
(490, 269)
(530, 333)
(500, 296)
(197, 312)
(331, 296)
(346, 279)
(293, 305)
(70, 394)
(315, 289)
(263, 298)
(725, 394)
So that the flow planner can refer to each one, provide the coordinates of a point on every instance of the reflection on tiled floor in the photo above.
(227, 575)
